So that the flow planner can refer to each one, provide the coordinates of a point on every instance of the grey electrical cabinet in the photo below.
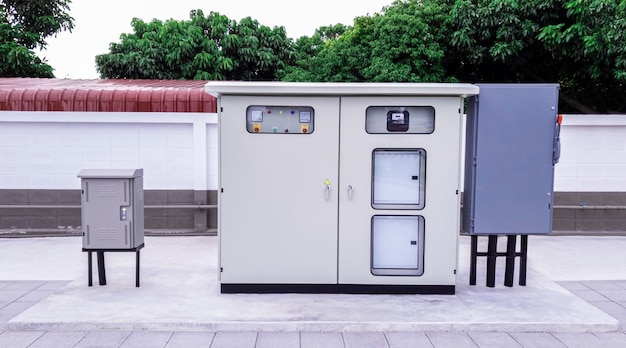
(339, 187)
(112, 208)
(512, 145)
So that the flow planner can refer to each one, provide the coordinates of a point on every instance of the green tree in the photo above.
(405, 42)
(305, 49)
(209, 47)
(581, 44)
(578, 43)
(24, 26)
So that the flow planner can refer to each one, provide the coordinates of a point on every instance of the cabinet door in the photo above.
(398, 200)
(107, 213)
(510, 152)
(279, 173)
(397, 245)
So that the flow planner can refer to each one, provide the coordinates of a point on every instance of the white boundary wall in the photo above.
(593, 154)
(46, 150)
(178, 151)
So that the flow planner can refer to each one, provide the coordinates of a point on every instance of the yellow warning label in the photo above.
(304, 128)
(256, 127)
(327, 182)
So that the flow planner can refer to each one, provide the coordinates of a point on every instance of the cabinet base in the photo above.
(337, 289)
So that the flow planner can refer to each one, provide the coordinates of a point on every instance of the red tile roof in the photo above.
(33, 94)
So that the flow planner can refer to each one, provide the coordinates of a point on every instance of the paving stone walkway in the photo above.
(17, 296)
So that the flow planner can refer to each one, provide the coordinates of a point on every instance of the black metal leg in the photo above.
(473, 256)
(102, 277)
(137, 269)
(510, 260)
(492, 250)
(523, 261)
(89, 269)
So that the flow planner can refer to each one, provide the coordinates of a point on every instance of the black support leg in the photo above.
(523, 261)
(492, 251)
(473, 257)
(89, 269)
(137, 269)
(102, 277)
(510, 260)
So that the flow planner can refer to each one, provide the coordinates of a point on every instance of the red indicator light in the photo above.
(304, 130)
(269, 111)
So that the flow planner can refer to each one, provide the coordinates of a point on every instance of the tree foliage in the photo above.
(209, 47)
(24, 26)
(578, 43)
(403, 43)
(581, 44)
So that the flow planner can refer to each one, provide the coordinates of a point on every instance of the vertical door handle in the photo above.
(123, 214)
(350, 188)
(327, 191)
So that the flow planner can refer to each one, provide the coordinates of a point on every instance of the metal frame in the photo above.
(492, 253)
(102, 278)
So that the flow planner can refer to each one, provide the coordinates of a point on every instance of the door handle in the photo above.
(123, 214)
(327, 191)
(350, 189)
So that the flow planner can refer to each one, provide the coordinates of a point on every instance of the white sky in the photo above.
(97, 24)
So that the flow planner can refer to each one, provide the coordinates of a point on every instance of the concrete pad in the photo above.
(578, 257)
(179, 291)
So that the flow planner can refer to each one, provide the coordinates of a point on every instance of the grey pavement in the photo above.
(22, 293)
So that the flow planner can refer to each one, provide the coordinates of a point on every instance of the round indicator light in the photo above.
(269, 111)
(293, 112)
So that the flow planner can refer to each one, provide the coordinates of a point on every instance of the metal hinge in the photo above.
(221, 269)
(221, 109)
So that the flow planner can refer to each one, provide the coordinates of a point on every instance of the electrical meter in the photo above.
(397, 121)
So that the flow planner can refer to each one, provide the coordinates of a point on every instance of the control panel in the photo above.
(280, 119)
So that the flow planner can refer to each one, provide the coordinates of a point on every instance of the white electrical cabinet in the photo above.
(339, 187)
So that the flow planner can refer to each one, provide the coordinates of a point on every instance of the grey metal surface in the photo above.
(217, 88)
(112, 210)
(110, 173)
(509, 173)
